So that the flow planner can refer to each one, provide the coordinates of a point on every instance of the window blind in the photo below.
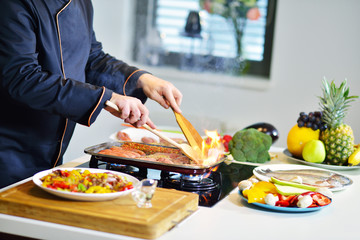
(217, 36)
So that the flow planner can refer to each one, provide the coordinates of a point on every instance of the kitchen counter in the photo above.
(231, 218)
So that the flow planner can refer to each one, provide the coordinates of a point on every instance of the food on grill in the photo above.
(149, 149)
(122, 152)
(171, 158)
(177, 140)
(85, 182)
(123, 136)
(147, 152)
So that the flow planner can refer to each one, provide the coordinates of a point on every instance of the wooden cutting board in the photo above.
(119, 216)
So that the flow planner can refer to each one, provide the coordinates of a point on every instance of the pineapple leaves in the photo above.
(335, 102)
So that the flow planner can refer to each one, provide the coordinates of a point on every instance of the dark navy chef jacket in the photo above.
(53, 74)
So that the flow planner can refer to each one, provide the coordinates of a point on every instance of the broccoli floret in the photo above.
(250, 145)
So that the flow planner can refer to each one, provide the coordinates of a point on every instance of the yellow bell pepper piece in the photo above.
(258, 192)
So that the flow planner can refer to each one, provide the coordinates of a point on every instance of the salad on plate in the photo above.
(88, 184)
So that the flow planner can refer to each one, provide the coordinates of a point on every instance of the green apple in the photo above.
(314, 151)
(293, 184)
(289, 190)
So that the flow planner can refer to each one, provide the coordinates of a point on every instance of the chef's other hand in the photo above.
(161, 91)
(131, 110)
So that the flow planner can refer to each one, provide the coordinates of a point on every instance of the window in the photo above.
(164, 38)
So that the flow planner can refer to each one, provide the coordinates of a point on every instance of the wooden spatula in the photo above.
(186, 149)
(193, 154)
(191, 135)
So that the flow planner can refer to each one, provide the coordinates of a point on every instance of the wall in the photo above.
(313, 39)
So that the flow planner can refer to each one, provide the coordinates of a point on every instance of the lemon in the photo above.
(354, 158)
(298, 137)
(314, 151)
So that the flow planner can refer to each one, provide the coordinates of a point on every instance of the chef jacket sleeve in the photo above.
(105, 70)
(24, 80)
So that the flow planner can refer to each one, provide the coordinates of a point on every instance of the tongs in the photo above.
(186, 149)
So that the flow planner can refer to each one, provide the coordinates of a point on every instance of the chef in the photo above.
(54, 74)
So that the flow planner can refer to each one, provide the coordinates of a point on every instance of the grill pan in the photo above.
(179, 168)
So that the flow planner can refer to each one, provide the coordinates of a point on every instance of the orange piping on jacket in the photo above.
(102, 95)
(63, 71)
(128, 80)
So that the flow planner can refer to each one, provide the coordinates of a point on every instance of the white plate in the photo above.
(85, 196)
(276, 167)
(320, 165)
(273, 158)
(137, 133)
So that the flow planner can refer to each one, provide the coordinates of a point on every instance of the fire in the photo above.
(213, 169)
(212, 148)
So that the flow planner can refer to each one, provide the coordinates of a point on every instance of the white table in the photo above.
(231, 218)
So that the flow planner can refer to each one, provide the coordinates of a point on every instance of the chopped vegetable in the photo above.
(285, 201)
(85, 182)
(258, 192)
(266, 193)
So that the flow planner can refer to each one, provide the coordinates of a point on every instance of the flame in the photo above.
(212, 148)
(213, 169)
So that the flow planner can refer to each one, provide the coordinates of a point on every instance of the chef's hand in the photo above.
(161, 91)
(131, 110)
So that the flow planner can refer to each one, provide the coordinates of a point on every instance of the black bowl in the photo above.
(266, 128)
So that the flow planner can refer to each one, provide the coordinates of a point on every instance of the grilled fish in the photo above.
(313, 177)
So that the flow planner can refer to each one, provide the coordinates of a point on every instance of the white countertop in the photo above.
(231, 218)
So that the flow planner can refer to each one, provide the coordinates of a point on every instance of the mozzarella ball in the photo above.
(245, 184)
(253, 179)
(304, 201)
(325, 191)
(271, 199)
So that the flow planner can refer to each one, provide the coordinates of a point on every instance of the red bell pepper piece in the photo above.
(282, 203)
(320, 199)
(286, 201)
(61, 185)
(64, 173)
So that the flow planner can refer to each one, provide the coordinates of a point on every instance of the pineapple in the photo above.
(338, 137)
